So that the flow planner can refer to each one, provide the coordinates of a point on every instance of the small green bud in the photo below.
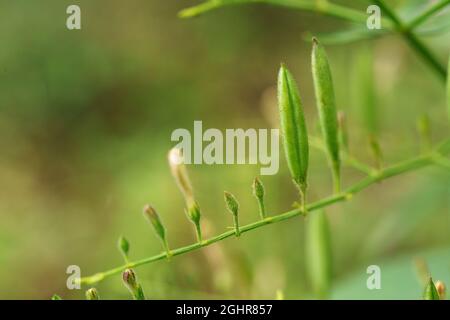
(258, 192)
(56, 297)
(155, 221)
(92, 294)
(194, 215)
(124, 247)
(233, 207)
(232, 204)
(130, 281)
(430, 291)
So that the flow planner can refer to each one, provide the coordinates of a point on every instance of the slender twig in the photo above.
(347, 194)
(413, 41)
(421, 18)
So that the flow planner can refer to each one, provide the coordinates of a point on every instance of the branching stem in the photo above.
(347, 194)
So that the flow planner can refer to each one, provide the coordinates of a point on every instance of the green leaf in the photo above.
(430, 291)
(293, 128)
(323, 85)
(318, 253)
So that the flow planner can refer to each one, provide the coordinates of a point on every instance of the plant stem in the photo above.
(413, 41)
(347, 194)
(434, 8)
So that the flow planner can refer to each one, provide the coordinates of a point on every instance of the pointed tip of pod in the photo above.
(315, 41)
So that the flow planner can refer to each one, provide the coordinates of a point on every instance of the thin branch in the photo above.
(347, 194)
(413, 41)
(421, 18)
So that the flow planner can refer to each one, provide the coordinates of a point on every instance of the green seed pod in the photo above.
(130, 281)
(293, 129)
(323, 85)
(343, 133)
(124, 247)
(430, 291)
(56, 297)
(258, 192)
(318, 254)
(440, 288)
(233, 207)
(92, 294)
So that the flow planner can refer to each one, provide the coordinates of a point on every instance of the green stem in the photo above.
(434, 8)
(262, 209)
(347, 194)
(413, 41)
(236, 225)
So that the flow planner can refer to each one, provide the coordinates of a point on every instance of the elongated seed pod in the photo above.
(430, 291)
(293, 128)
(92, 294)
(318, 253)
(323, 85)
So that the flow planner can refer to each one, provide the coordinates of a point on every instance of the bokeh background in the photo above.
(85, 124)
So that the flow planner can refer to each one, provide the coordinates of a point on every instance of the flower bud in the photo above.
(258, 192)
(233, 207)
(92, 294)
(130, 281)
(232, 204)
(440, 287)
(153, 218)
(124, 247)
(179, 172)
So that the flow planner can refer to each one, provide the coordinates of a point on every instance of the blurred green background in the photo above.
(85, 124)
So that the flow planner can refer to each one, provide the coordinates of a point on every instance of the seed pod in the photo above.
(124, 247)
(258, 192)
(233, 207)
(440, 288)
(92, 294)
(293, 129)
(130, 281)
(56, 297)
(318, 254)
(323, 85)
(153, 218)
(343, 133)
(430, 291)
